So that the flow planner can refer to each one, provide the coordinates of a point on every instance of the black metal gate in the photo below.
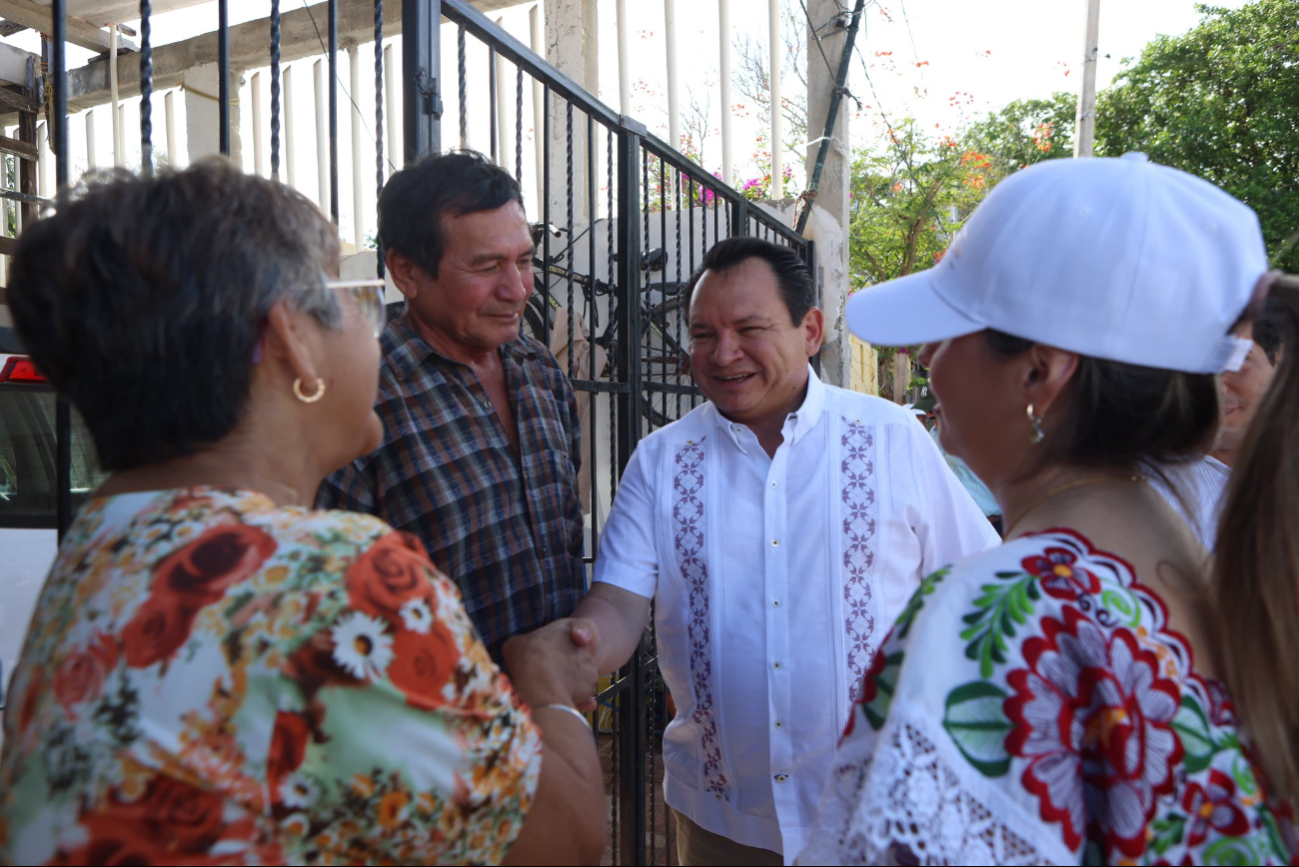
(623, 221)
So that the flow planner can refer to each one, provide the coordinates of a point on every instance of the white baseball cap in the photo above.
(1117, 258)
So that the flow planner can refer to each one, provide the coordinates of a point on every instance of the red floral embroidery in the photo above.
(1213, 807)
(1060, 577)
(1092, 714)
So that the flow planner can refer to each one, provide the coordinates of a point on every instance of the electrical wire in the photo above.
(912, 37)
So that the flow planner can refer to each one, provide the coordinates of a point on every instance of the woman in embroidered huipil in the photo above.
(215, 673)
(1068, 697)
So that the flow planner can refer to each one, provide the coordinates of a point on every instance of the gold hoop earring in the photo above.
(312, 398)
(1036, 421)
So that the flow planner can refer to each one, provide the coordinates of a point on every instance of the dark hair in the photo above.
(793, 277)
(1255, 588)
(1268, 327)
(1121, 416)
(415, 200)
(141, 299)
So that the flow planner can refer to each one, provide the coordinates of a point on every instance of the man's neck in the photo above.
(1226, 456)
(476, 357)
(770, 430)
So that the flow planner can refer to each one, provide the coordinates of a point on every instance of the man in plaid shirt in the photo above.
(481, 442)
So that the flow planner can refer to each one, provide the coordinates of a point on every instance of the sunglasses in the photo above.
(368, 295)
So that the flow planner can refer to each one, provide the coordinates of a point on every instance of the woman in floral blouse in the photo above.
(1068, 697)
(215, 673)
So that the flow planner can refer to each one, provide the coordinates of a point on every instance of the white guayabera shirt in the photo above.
(775, 580)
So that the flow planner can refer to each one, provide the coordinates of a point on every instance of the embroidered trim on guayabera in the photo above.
(856, 482)
(688, 542)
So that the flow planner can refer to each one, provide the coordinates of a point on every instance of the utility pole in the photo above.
(1085, 122)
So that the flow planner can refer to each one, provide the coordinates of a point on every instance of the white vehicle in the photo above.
(28, 493)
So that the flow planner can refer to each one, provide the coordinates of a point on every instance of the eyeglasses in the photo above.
(368, 295)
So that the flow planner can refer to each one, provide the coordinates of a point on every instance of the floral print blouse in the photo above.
(1031, 706)
(211, 679)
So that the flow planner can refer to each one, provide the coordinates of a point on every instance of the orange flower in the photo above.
(392, 572)
(201, 572)
(392, 809)
(422, 664)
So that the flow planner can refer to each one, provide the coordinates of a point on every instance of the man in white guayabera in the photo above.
(781, 527)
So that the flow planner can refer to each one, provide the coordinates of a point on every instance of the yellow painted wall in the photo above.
(865, 367)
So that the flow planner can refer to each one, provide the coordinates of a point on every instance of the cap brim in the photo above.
(906, 311)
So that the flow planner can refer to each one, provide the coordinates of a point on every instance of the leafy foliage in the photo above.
(1220, 102)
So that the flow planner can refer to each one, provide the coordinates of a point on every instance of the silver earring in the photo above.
(1036, 421)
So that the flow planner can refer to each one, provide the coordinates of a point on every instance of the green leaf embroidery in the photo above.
(1230, 852)
(1192, 727)
(976, 720)
(885, 683)
(1167, 832)
(917, 601)
(1001, 607)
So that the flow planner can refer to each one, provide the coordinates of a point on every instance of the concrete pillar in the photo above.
(830, 211)
(572, 45)
(202, 120)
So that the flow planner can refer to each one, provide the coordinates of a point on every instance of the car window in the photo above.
(28, 481)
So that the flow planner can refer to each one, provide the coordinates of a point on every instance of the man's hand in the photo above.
(584, 633)
(551, 666)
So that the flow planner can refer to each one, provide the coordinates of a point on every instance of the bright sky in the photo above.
(976, 58)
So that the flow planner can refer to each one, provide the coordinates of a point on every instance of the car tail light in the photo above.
(20, 369)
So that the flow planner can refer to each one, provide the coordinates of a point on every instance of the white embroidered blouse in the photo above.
(775, 579)
(1032, 706)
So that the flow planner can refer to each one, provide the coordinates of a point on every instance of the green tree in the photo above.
(908, 199)
(1221, 102)
(1027, 131)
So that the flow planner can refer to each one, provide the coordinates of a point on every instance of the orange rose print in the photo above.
(393, 572)
(80, 677)
(422, 664)
(201, 572)
(159, 628)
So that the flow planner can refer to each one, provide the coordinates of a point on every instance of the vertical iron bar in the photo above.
(62, 412)
(632, 721)
(223, 73)
(545, 210)
(683, 303)
(146, 87)
(518, 126)
(592, 313)
(333, 108)
(666, 350)
(421, 71)
(464, 95)
(275, 90)
(378, 125)
(647, 333)
(494, 150)
(615, 415)
(569, 188)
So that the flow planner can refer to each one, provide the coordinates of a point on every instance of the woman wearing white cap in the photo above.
(1068, 697)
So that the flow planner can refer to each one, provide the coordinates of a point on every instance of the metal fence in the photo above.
(622, 219)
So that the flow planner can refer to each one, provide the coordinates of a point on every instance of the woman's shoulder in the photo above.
(980, 627)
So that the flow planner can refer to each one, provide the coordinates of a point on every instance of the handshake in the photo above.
(556, 664)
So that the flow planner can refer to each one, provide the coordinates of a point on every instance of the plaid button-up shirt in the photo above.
(506, 529)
